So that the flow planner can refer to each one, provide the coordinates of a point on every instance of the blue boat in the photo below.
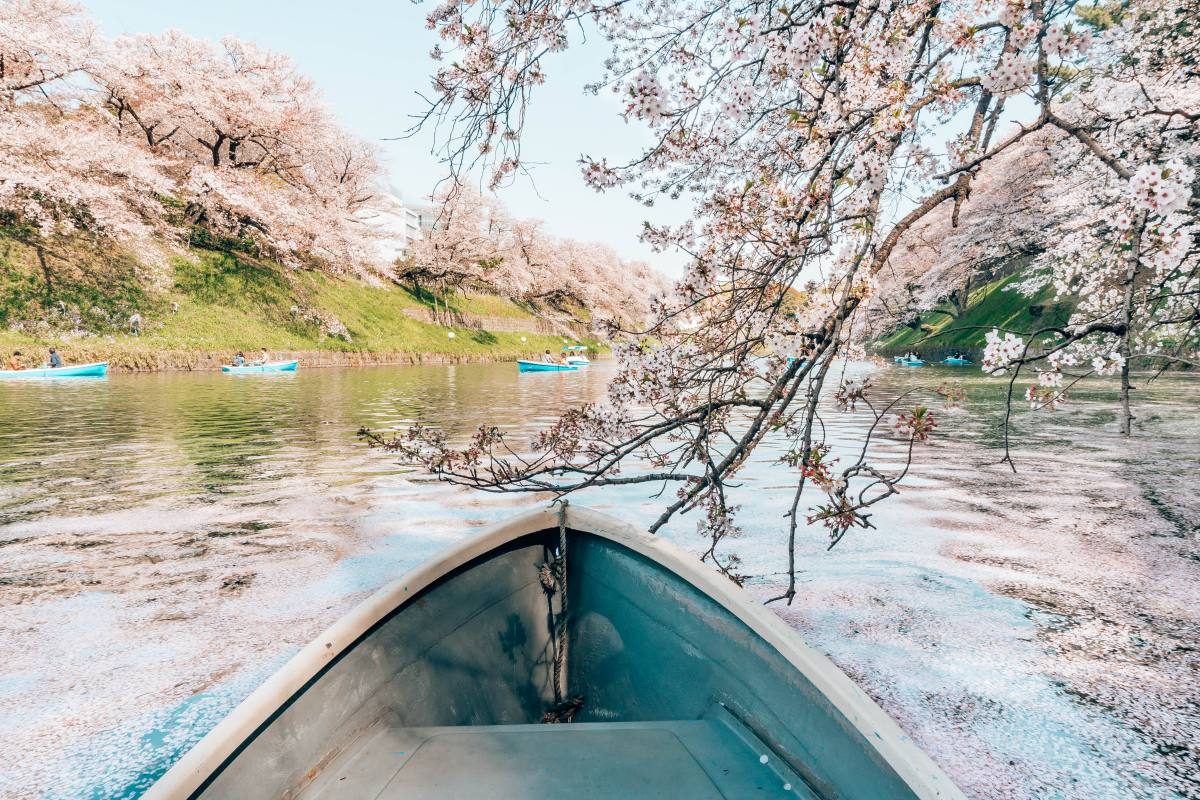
(542, 366)
(270, 366)
(957, 362)
(97, 370)
(911, 362)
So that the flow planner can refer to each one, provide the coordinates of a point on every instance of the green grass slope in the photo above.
(228, 301)
(992, 305)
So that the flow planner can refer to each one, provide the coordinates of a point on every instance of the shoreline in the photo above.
(150, 360)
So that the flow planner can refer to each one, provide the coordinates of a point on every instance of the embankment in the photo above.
(196, 308)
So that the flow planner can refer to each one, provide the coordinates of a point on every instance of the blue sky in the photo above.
(370, 57)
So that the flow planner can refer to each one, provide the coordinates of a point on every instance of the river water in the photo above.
(168, 541)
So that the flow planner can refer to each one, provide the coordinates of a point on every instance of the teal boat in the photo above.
(270, 366)
(542, 366)
(912, 362)
(956, 362)
(97, 370)
(668, 680)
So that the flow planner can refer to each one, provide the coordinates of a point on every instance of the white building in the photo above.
(397, 225)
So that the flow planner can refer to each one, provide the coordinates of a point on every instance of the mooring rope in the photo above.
(560, 650)
(553, 577)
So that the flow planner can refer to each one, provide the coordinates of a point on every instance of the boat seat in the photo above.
(704, 759)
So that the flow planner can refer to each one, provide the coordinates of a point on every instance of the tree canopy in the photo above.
(815, 139)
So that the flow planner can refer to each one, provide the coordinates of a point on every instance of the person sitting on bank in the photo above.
(547, 358)
(15, 361)
(55, 359)
(240, 359)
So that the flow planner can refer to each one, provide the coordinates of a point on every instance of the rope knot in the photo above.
(548, 579)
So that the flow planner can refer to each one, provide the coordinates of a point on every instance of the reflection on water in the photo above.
(167, 541)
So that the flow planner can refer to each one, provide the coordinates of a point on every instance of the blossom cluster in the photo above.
(916, 424)
(645, 98)
(1162, 189)
(1000, 352)
(1011, 74)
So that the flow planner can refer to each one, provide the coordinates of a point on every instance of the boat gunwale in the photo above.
(193, 772)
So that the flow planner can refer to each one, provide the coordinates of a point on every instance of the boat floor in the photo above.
(697, 759)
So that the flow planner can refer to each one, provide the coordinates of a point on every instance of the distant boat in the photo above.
(672, 682)
(542, 366)
(270, 366)
(96, 370)
(956, 362)
(575, 355)
(912, 362)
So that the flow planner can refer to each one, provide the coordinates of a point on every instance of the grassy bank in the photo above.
(993, 305)
(79, 299)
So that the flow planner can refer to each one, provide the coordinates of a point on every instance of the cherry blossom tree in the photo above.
(42, 43)
(476, 244)
(467, 245)
(563, 271)
(791, 129)
(101, 136)
(60, 169)
(248, 138)
(1127, 252)
(1007, 220)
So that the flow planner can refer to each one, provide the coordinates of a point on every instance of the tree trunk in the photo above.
(961, 297)
(41, 254)
(1131, 276)
(1126, 412)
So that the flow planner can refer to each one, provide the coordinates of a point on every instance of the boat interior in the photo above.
(669, 694)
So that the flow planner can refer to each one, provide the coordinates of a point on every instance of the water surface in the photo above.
(167, 541)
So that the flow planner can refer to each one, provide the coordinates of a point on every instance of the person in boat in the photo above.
(14, 362)
(240, 359)
(547, 358)
(55, 359)
(262, 357)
